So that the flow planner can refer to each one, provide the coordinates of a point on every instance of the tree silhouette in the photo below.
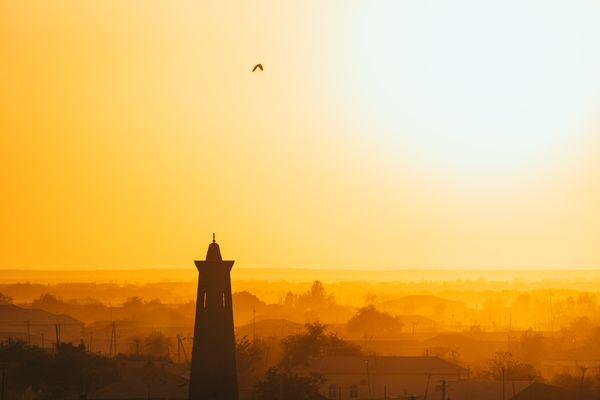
(5, 299)
(156, 345)
(370, 320)
(248, 354)
(314, 342)
(71, 371)
(504, 366)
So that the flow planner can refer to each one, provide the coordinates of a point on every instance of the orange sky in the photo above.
(378, 136)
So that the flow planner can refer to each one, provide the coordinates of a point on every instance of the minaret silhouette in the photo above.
(213, 373)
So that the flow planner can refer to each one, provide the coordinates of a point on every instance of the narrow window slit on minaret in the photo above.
(223, 299)
(205, 299)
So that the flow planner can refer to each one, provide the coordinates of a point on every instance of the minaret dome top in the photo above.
(214, 252)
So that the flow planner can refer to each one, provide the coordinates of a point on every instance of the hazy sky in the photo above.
(380, 134)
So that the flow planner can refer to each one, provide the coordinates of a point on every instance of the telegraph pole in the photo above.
(254, 325)
(583, 371)
(427, 387)
(369, 379)
(3, 382)
(551, 314)
(503, 378)
(57, 334)
(28, 326)
(113, 339)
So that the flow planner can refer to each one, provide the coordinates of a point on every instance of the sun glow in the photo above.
(381, 134)
(477, 89)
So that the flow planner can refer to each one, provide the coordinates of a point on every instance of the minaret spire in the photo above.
(213, 373)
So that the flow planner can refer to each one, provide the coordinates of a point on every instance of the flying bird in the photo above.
(259, 66)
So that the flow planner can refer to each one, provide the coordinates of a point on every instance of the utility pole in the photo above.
(3, 382)
(281, 387)
(185, 357)
(57, 335)
(82, 340)
(254, 325)
(551, 314)
(583, 371)
(443, 390)
(503, 377)
(28, 326)
(427, 387)
(369, 379)
(112, 351)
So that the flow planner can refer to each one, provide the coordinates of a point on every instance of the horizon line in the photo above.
(379, 269)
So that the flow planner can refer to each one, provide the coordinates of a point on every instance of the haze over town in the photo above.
(409, 191)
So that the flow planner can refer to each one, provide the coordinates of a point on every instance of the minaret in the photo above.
(213, 374)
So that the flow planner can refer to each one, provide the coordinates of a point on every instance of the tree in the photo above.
(5, 299)
(577, 383)
(133, 302)
(315, 297)
(49, 302)
(75, 370)
(314, 342)
(156, 345)
(283, 384)
(67, 373)
(532, 346)
(246, 302)
(504, 366)
(370, 320)
(248, 354)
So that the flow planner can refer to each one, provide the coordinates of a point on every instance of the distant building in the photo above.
(391, 377)
(213, 373)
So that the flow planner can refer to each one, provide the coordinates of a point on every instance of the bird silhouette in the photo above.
(259, 66)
